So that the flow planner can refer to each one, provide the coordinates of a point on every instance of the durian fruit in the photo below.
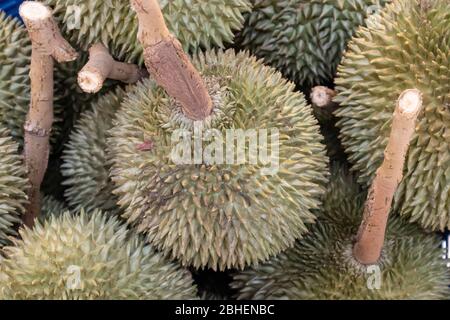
(15, 52)
(304, 39)
(13, 187)
(405, 46)
(321, 266)
(196, 23)
(88, 257)
(85, 165)
(223, 215)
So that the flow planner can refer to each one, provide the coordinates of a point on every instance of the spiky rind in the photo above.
(196, 23)
(220, 216)
(15, 53)
(322, 266)
(51, 207)
(88, 257)
(403, 47)
(13, 186)
(86, 167)
(304, 39)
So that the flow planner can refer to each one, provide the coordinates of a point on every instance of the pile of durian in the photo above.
(93, 205)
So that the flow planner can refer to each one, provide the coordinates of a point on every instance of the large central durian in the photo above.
(196, 23)
(322, 266)
(88, 257)
(219, 216)
(407, 45)
(304, 39)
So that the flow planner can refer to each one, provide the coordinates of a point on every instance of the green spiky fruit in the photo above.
(13, 186)
(405, 46)
(15, 52)
(88, 257)
(304, 39)
(86, 167)
(196, 23)
(322, 265)
(222, 215)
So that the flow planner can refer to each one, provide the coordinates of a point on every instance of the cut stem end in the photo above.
(34, 11)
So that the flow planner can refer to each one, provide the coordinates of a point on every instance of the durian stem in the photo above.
(168, 63)
(102, 66)
(322, 97)
(47, 44)
(370, 239)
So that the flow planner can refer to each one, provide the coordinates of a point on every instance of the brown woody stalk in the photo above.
(47, 44)
(370, 238)
(168, 63)
(322, 97)
(102, 66)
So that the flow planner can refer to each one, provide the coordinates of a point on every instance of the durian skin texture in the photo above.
(220, 216)
(13, 187)
(85, 165)
(15, 52)
(304, 39)
(51, 207)
(196, 23)
(112, 263)
(405, 46)
(321, 266)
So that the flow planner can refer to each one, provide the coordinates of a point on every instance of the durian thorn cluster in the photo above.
(102, 66)
(164, 56)
(370, 238)
(47, 44)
